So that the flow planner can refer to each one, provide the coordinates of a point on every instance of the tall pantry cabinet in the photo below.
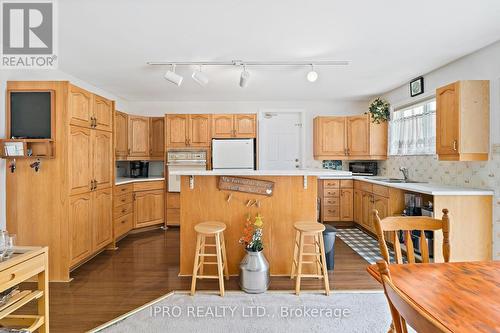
(67, 205)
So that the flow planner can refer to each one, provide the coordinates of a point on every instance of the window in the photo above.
(412, 129)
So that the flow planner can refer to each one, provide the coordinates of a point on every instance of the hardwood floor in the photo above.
(145, 267)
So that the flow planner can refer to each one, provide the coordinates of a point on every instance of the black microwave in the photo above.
(364, 168)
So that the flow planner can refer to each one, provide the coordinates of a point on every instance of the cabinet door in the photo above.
(148, 208)
(332, 136)
(199, 130)
(366, 210)
(79, 106)
(358, 142)
(103, 113)
(157, 130)
(80, 227)
(222, 126)
(447, 120)
(121, 135)
(138, 136)
(102, 218)
(381, 204)
(346, 204)
(357, 206)
(102, 161)
(245, 125)
(177, 130)
(80, 159)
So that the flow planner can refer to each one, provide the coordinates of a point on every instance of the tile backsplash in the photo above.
(464, 174)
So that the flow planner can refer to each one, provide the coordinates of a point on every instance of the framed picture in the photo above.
(417, 86)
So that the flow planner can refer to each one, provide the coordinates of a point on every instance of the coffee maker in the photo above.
(139, 169)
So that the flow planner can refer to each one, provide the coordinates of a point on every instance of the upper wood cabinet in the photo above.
(463, 121)
(188, 130)
(138, 136)
(103, 110)
(234, 126)
(199, 130)
(156, 136)
(121, 135)
(177, 130)
(102, 218)
(79, 106)
(352, 137)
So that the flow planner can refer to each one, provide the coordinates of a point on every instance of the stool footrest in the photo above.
(207, 276)
(207, 255)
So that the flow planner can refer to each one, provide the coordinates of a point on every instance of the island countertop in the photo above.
(242, 172)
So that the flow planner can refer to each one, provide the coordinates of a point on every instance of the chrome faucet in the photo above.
(405, 173)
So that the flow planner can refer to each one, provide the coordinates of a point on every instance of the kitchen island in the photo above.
(294, 198)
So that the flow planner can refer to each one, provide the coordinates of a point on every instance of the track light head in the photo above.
(312, 76)
(200, 77)
(244, 77)
(173, 77)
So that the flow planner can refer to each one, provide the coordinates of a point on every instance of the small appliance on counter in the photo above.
(233, 154)
(363, 168)
(139, 169)
(413, 205)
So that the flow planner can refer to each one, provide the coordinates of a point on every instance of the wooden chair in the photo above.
(313, 230)
(404, 310)
(203, 231)
(406, 224)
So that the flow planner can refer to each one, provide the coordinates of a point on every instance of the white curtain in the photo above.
(412, 130)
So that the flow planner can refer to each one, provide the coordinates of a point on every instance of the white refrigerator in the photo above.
(233, 154)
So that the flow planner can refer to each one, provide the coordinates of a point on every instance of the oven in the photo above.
(183, 160)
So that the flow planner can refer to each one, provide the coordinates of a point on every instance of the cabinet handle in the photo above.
(455, 145)
(95, 184)
(128, 151)
(124, 210)
(92, 185)
(124, 221)
(133, 196)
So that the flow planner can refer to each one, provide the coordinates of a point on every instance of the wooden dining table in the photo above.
(463, 296)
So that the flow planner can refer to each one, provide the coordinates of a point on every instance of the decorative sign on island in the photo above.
(247, 185)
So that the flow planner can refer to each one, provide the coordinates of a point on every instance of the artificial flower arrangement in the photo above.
(252, 234)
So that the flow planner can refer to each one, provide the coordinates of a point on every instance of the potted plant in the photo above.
(380, 110)
(254, 268)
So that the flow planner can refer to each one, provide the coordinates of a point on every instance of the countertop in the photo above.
(239, 172)
(127, 180)
(425, 188)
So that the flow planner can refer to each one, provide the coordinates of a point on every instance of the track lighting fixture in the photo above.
(244, 77)
(200, 77)
(312, 76)
(173, 77)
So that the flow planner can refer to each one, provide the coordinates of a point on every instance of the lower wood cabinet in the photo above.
(336, 200)
(346, 204)
(148, 208)
(90, 223)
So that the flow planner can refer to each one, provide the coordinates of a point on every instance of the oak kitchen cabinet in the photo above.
(138, 136)
(349, 138)
(149, 203)
(157, 137)
(121, 135)
(188, 130)
(89, 110)
(234, 126)
(336, 200)
(462, 121)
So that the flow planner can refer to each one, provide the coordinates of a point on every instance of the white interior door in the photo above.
(280, 140)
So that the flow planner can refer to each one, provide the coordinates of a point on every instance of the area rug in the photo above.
(363, 244)
(355, 312)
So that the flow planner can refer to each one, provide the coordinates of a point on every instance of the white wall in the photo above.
(481, 65)
(36, 75)
(311, 108)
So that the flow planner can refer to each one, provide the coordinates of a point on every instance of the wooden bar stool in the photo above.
(313, 230)
(203, 230)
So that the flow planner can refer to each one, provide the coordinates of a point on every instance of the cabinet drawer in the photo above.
(364, 186)
(146, 186)
(123, 210)
(381, 190)
(331, 183)
(331, 201)
(18, 273)
(122, 189)
(124, 224)
(331, 213)
(329, 192)
(346, 183)
(123, 199)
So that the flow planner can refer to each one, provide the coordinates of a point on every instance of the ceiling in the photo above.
(107, 43)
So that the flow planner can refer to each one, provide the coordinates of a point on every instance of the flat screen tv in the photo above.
(30, 115)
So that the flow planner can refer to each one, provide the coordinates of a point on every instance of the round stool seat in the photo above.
(210, 227)
(309, 227)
